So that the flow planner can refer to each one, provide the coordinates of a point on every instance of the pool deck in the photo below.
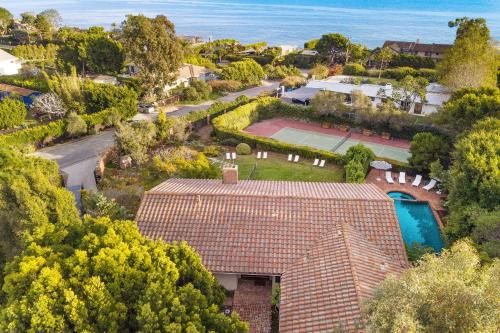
(267, 128)
(435, 200)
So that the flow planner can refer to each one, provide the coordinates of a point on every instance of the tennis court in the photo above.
(338, 144)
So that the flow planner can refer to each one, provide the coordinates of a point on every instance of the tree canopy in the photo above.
(151, 44)
(334, 47)
(107, 277)
(446, 293)
(471, 62)
(5, 19)
(12, 113)
(246, 71)
(426, 148)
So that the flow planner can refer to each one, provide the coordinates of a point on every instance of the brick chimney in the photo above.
(230, 174)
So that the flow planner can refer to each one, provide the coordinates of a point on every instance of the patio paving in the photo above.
(435, 200)
(253, 303)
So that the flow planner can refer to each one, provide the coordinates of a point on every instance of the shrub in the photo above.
(225, 85)
(32, 82)
(98, 96)
(12, 113)
(413, 61)
(319, 72)
(398, 73)
(354, 172)
(75, 126)
(293, 82)
(335, 70)
(354, 69)
(212, 151)
(135, 139)
(281, 72)
(300, 60)
(426, 148)
(246, 71)
(243, 149)
(186, 163)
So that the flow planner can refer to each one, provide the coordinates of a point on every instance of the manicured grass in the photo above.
(276, 167)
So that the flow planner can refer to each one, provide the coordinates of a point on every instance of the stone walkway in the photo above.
(253, 303)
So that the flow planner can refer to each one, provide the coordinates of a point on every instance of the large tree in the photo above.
(409, 90)
(467, 106)
(472, 61)
(90, 50)
(474, 178)
(426, 148)
(152, 45)
(108, 278)
(246, 71)
(335, 48)
(5, 19)
(446, 293)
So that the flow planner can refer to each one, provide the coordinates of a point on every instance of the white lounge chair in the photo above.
(296, 159)
(316, 162)
(259, 155)
(322, 164)
(402, 177)
(228, 156)
(290, 157)
(431, 185)
(233, 156)
(264, 155)
(388, 177)
(417, 181)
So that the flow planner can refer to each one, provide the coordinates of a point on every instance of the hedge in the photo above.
(55, 129)
(230, 126)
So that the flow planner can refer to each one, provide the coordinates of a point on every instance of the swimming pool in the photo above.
(417, 222)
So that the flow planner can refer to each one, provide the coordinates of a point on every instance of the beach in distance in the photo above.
(284, 21)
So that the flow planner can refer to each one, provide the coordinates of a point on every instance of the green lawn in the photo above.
(276, 167)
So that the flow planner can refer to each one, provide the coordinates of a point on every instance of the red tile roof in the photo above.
(345, 232)
(323, 291)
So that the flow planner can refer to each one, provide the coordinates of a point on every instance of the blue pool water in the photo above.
(417, 222)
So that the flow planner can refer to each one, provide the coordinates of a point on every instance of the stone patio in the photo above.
(253, 303)
(435, 200)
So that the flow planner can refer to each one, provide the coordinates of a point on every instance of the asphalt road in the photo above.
(78, 158)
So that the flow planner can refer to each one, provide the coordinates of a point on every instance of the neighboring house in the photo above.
(434, 51)
(9, 64)
(328, 245)
(193, 40)
(99, 78)
(188, 72)
(436, 96)
(287, 49)
(27, 95)
(307, 52)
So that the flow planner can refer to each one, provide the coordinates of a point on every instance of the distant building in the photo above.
(9, 64)
(188, 72)
(328, 245)
(287, 49)
(26, 95)
(436, 96)
(434, 51)
(193, 40)
(307, 52)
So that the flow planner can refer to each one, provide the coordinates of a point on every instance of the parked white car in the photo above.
(146, 108)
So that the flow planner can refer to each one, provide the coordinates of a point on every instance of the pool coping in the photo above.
(436, 215)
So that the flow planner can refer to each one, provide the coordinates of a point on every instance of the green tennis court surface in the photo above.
(334, 143)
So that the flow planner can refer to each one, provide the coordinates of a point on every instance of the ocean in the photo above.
(283, 21)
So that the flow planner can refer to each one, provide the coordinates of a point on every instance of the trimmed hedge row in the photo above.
(55, 129)
(230, 126)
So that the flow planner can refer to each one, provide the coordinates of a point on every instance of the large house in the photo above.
(9, 65)
(434, 51)
(436, 94)
(328, 245)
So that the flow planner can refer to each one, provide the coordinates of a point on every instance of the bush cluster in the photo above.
(12, 113)
(212, 151)
(37, 83)
(354, 69)
(225, 85)
(413, 61)
(246, 71)
(243, 149)
(281, 72)
(292, 82)
(196, 91)
(357, 160)
(98, 97)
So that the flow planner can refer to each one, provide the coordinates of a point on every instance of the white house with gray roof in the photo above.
(9, 65)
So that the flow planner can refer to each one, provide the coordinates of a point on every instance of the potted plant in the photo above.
(326, 124)
(386, 135)
(367, 132)
(344, 128)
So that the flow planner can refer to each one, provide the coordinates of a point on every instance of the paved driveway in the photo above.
(78, 158)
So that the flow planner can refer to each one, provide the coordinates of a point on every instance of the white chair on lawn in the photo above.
(417, 181)
(233, 156)
(322, 164)
(431, 185)
(402, 177)
(290, 157)
(296, 159)
(264, 155)
(388, 177)
(259, 155)
(316, 162)
(228, 156)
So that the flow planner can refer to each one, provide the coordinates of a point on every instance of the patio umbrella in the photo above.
(381, 165)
